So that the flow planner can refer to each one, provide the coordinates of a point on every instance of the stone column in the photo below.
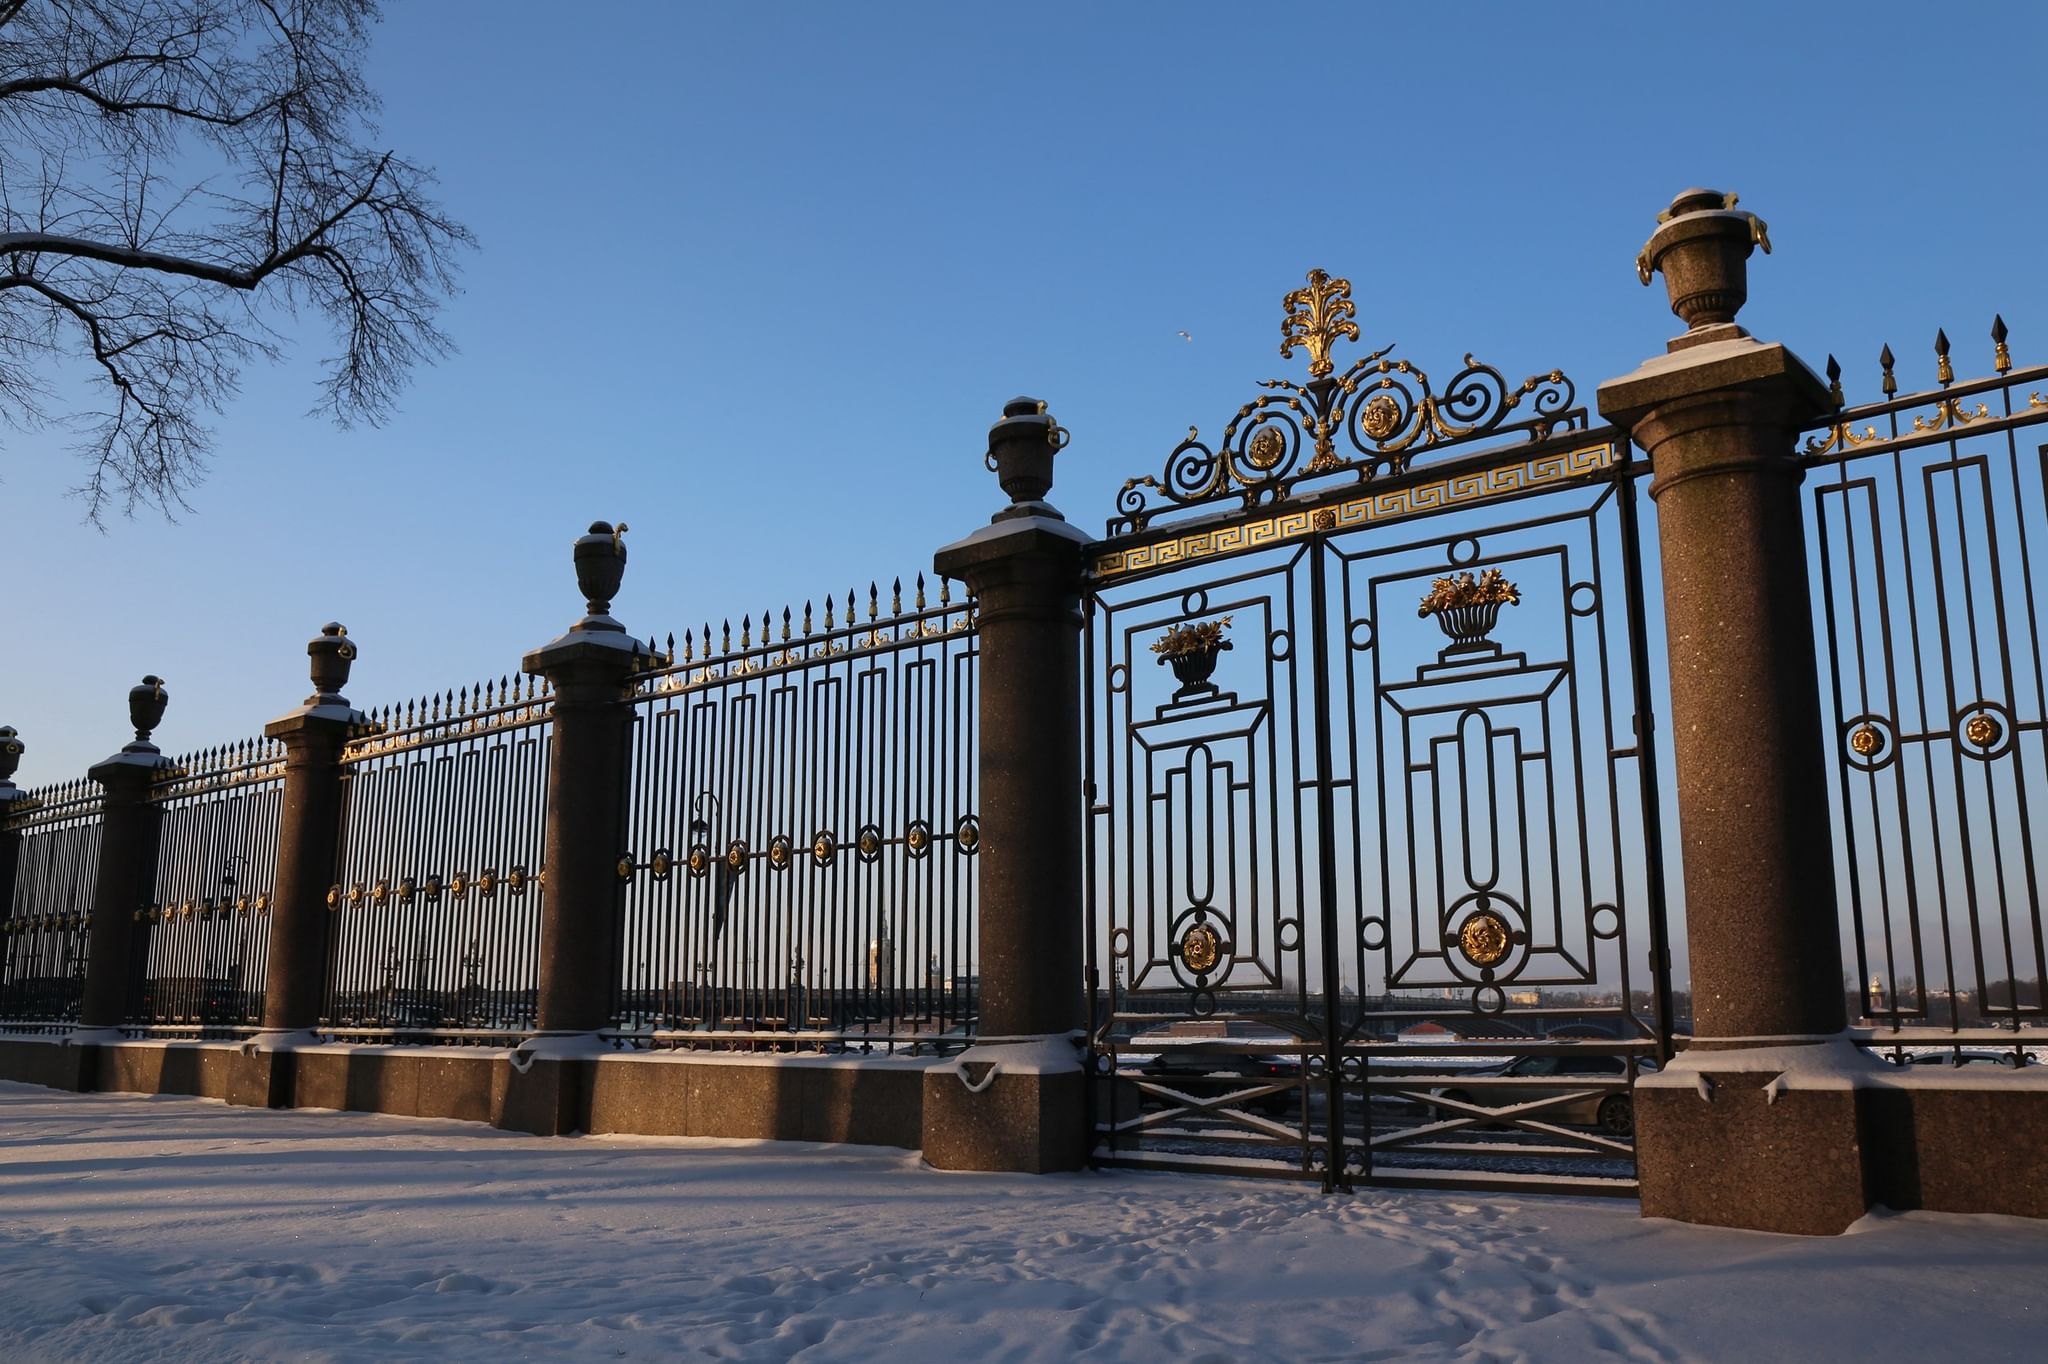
(1719, 415)
(11, 749)
(126, 880)
(1025, 571)
(308, 853)
(590, 667)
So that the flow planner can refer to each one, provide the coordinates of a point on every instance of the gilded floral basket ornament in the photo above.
(1467, 608)
(1192, 650)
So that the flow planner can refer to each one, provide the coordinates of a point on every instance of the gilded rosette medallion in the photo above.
(1265, 448)
(1201, 947)
(1983, 730)
(1484, 939)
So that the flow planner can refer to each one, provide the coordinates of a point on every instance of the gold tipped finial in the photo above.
(1317, 316)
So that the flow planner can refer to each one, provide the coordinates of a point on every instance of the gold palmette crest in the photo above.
(1318, 315)
(1372, 419)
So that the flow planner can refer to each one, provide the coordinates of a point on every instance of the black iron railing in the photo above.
(205, 935)
(43, 936)
(436, 915)
(1926, 536)
(804, 831)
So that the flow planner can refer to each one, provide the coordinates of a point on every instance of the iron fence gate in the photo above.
(1372, 820)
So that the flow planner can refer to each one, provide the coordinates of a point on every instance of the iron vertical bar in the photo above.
(1326, 870)
(1646, 751)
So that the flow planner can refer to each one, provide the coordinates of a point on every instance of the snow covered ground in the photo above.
(171, 1229)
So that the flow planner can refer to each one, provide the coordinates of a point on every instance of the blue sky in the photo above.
(756, 279)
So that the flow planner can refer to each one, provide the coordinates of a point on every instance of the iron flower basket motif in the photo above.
(1467, 607)
(1191, 650)
(1369, 421)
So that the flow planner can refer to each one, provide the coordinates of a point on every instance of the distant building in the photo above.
(882, 964)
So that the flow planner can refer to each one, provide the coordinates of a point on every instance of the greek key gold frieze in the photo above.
(1390, 504)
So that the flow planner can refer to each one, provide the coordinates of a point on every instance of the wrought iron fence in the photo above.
(1926, 539)
(205, 936)
(44, 935)
(804, 831)
(436, 915)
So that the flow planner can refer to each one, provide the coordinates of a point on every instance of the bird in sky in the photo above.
(1185, 337)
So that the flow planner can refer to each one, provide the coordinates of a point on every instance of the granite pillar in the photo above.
(125, 879)
(11, 796)
(309, 835)
(1719, 415)
(1025, 570)
(590, 668)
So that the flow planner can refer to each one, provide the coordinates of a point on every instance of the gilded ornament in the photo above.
(1381, 417)
(380, 892)
(1484, 939)
(968, 835)
(1983, 730)
(1865, 741)
(870, 843)
(1325, 520)
(459, 887)
(822, 849)
(625, 871)
(662, 864)
(1318, 315)
(778, 852)
(487, 882)
(1265, 448)
(736, 855)
(1201, 947)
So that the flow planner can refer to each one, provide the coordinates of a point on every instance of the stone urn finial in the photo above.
(146, 702)
(600, 568)
(1702, 249)
(11, 749)
(332, 652)
(1020, 451)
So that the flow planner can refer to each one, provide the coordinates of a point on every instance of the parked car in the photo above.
(1969, 1058)
(1613, 1112)
(1240, 1054)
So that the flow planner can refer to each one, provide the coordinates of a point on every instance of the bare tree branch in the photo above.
(174, 176)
